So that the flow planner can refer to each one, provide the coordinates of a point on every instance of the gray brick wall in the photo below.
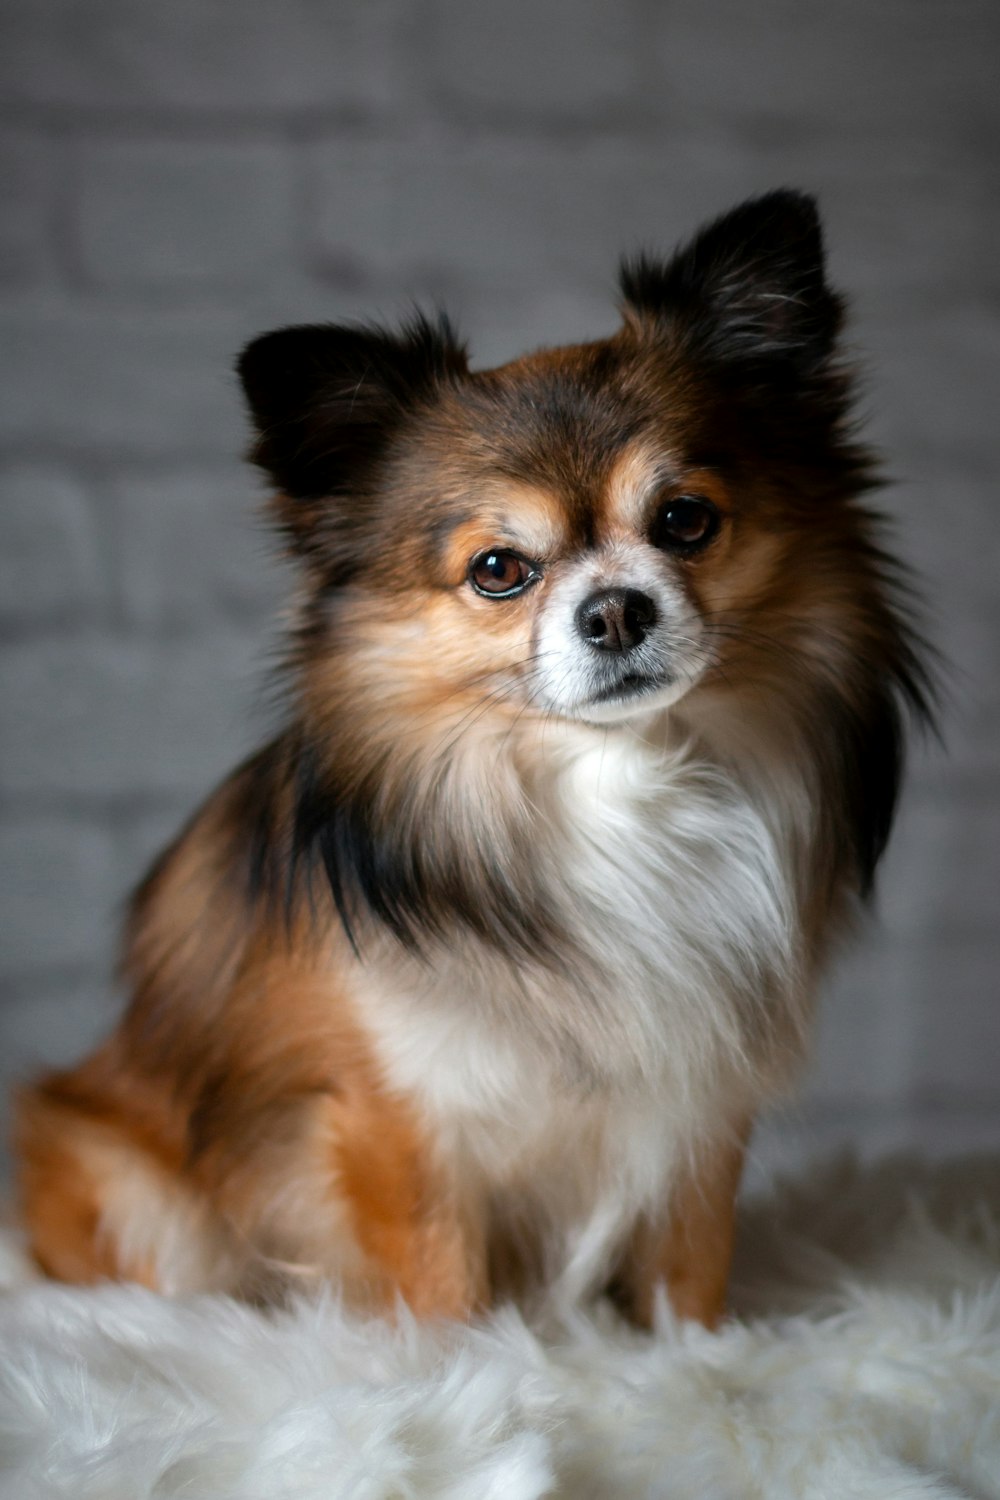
(180, 174)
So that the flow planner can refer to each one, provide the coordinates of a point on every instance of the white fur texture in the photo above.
(865, 1366)
(674, 654)
(570, 1102)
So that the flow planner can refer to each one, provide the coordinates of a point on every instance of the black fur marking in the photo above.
(324, 397)
(748, 291)
(865, 752)
(326, 401)
(261, 845)
(861, 740)
(872, 754)
(407, 873)
(412, 879)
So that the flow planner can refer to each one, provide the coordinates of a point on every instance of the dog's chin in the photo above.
(633, 696)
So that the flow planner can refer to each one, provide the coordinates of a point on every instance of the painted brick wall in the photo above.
(180, 174)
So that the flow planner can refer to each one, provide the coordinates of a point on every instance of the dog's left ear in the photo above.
(748, 293)
(326, 399)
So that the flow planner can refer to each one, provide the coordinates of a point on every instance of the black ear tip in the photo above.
(750, 286)
(273, 367)
(289, 364)
(249, 360)
(789, 202)
(786, 220)
(783, 223)
(326, 397)
(794, 216)
(284, 350)
(779, 226)
(254, 353)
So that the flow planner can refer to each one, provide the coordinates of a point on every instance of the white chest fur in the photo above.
(579, 1085)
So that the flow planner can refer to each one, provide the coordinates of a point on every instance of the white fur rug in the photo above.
(865, 1365)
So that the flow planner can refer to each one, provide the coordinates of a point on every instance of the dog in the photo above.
(471, 983)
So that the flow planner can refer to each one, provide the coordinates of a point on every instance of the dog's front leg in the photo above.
(690, 1251)
(420, 1237)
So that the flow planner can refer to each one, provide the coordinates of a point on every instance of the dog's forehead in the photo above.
(560, 416)
(572, 432)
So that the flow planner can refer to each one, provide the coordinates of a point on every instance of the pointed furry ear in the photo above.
(325, 398)
(748, 291)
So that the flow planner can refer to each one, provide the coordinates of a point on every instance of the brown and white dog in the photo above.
(472, 981)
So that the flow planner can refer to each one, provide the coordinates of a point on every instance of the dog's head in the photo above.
(592, 533)
(583, 531)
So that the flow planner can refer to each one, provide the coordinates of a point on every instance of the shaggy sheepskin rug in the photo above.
(862, 1363)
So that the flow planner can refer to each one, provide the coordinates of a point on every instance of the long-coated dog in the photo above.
(471, 983)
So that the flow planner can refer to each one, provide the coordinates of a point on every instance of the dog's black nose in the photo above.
(616, 619)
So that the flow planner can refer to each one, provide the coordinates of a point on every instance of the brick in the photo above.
(973, 743)
(550, 217)
(142, 834)
(796, 1144)
(936, 909)
(190, 546)
(856, 67)
(51, 566)
(169, 214)
(469, 211)
(502, 324)
(961, 617)
(968, 633)
(99, 379)
(939, 501)
(564, 57)
(201, 55)
(955, 999)
(935, 377)
(896, 227)
(934, 838)
(861, 1046)
(552, 140)
(551, 212)
(60, 878)
(97, 716)
(436, 210)
(898, 219)
(45, 1023)
(49, 1021)
(28, 181)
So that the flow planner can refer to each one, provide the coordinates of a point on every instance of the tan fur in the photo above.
(306, 1167)
(689, 1256)
(97, 1155)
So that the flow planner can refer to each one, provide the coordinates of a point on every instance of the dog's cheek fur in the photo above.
(394, 805)
(809, 612)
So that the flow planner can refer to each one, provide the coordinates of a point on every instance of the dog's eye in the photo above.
(685, 524)
(500, 574)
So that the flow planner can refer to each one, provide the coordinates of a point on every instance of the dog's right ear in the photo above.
(748, 295)
(325, 399)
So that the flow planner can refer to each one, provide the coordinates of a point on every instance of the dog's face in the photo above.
(599, 615)
(548, 540)
(584, 533)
